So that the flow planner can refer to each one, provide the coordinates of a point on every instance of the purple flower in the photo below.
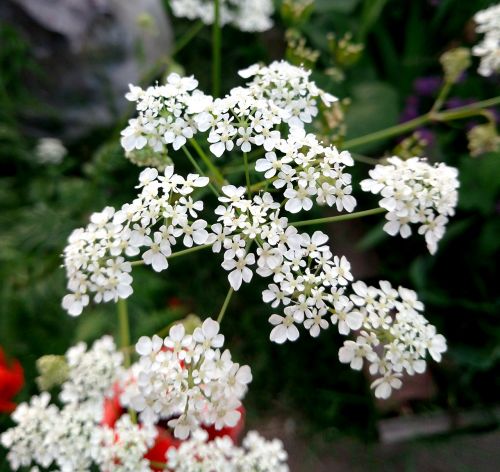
(410, 110)
(427, 86)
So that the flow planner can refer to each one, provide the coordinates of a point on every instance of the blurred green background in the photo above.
(42, 204)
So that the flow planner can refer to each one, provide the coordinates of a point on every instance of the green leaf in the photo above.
(341, 6)
(374, 107)
(480, 183)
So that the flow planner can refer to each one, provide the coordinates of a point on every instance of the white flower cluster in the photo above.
(72, 439)
(122, 448)
(289, 88)
(246, 15)
(394, 338)
(165, 114)
(50, 151)
(47, 435)
(221, 455)
(163, 212)
(488, 22)
(248, 116)
(414, 192)
(307, 279)
(91, 373)
(187, 377)
(307, 170)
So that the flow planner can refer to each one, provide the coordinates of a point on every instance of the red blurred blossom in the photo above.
(11, 381)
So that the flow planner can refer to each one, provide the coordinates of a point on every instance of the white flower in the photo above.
(246, 15)
(415, 192)
(239, 270)
(488, 22)
(50, 151)
(284, 326)
(190, 383)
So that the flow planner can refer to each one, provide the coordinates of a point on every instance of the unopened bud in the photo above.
(53, 371)
(455, 62)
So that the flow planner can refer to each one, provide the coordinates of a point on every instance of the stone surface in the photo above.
(88, 51)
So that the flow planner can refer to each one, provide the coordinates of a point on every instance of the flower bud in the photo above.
(483, 139)
(53, 371)
(454, 62)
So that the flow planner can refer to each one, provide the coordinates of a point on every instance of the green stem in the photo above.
(216, 50)
(187, 37)
(225, 305)
(443, 93)
(466, 111)
(333, 219)
(262, 184)
(198, 168)
(183, 252)
(208, 162)
(247, 175)
(124, 329)
(188, 251)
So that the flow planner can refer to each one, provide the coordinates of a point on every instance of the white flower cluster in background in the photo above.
(394, 337)
(163, 212)
(67, 437)
(50, 151)
(415, 192)
(221, 455)
(122, 448)
(92, 372)
(171, 114)
(189, 378)
(246, 15)
(488, 22)
(307, 170)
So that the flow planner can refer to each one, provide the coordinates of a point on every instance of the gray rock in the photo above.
(88, 51)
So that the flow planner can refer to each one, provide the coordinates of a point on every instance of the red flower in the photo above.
(11, 381)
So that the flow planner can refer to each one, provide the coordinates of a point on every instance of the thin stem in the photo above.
(208, 162)
(225, 305)
(333, 219)
(443, 93)
(466, 111)
(198, 168)
(188, 251)
(187, 37)
(247, 175)
(175, 254)
(216, 50)
(262, 184)
(124, 329)
(158, 465)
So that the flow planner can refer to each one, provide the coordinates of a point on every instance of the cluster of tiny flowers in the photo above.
(246, 15)
(308, 170)
(248, 116)
(122, 448)
(394, 337)
(50, 151)
(163, 212)
(189, 378)
(414, 192)
(47, 435)
(91, 373)
(165, 115)
(488, 22)
(289, 88)
(221, 455)
(307, 279)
